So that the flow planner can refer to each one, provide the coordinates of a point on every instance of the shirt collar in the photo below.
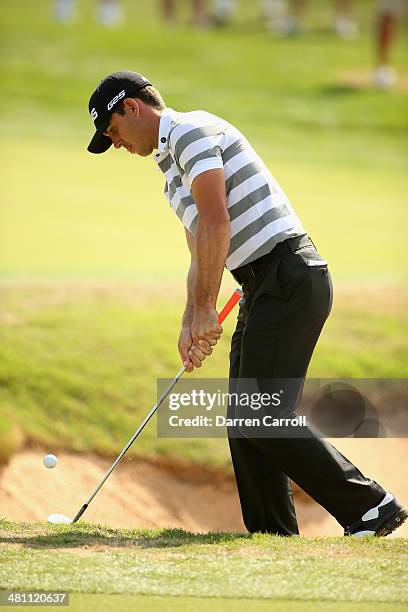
(166, 120)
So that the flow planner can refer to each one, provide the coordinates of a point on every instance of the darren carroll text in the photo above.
(222, 421)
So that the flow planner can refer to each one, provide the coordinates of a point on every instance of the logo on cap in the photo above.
(120, 95)
(94, 114)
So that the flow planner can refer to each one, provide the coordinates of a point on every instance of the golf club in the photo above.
(60, 518)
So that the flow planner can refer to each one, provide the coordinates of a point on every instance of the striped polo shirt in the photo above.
(260, 212)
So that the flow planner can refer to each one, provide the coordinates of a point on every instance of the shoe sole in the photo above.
(392, 523)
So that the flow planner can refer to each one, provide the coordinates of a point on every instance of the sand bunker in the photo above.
(146, 494)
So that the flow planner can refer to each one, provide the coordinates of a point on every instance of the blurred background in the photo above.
(92, 259)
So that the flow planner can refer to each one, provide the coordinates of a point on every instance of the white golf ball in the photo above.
(59, 518)
(50, 461)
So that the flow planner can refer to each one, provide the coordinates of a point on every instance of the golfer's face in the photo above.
(128, 131)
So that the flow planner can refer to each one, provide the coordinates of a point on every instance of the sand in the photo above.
(143, 493)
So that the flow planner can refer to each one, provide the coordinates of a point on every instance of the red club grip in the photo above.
(234, 299)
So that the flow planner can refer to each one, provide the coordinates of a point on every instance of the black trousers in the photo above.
(287, 302)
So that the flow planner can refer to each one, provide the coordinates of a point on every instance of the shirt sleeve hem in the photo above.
(203, 166)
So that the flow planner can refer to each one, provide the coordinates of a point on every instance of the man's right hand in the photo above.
(192, 356)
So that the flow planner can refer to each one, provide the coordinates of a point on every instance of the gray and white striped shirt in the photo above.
(260, 213)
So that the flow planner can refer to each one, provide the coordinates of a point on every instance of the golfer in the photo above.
(236, 215)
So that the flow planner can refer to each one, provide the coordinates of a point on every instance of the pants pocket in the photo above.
(291, 275)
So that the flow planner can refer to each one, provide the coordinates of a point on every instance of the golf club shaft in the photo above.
(221, 317)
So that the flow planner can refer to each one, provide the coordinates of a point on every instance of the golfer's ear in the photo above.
(133, 105)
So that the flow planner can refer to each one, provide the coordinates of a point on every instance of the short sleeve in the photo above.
(198, 149)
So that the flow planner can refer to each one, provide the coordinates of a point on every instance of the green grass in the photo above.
(104, 217)
(172, 562)
(78, 369)
(340, 152)
(128, 603)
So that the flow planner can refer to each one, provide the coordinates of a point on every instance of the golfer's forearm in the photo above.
(191, 282)
(212, 244)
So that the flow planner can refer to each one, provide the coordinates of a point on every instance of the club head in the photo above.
(59, 519)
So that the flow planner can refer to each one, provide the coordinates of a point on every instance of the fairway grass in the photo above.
(107, 218)
(128, 603)
(79, 364)
(173, 563)
(339, 152)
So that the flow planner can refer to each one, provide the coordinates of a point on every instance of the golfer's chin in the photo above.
(141, 152)
(146, 152)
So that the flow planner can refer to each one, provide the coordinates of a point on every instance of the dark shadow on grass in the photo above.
(339, 89)
(82, 536)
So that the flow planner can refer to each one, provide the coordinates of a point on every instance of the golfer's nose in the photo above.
(117, 144)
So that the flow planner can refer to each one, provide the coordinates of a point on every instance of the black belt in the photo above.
(249, 271)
